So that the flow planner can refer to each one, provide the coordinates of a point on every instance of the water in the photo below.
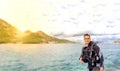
(52, 57)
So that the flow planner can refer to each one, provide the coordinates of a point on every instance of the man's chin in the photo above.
(86, 44)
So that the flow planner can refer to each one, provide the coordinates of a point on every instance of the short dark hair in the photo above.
(86, 35)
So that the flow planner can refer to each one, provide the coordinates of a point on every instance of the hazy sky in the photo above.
(63, 16)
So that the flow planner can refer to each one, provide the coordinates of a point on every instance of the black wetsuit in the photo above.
(92, 62)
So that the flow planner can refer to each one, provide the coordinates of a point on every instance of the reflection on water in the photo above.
(52, 57)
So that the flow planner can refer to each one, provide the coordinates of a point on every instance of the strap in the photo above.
(91, 49)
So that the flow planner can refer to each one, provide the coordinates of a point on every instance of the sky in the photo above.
(64, 18)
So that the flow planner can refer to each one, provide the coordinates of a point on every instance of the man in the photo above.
(91, 54)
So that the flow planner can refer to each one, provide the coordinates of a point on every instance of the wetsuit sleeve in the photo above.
(97, 49)
(101, 60)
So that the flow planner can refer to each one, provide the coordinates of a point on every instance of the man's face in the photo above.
(86, 40)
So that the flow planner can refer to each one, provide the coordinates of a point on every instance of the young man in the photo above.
(91, 54)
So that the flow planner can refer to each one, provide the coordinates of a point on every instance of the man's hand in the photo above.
(101, 69)
(81, 60)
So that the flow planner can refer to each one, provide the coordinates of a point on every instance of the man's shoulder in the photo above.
(92, 43)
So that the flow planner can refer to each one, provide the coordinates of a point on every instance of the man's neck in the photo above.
(87, 44)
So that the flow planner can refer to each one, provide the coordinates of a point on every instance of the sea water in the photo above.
(53, 57)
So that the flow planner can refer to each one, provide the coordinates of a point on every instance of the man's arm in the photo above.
(97, 49)
(101, 60)
(80, 58)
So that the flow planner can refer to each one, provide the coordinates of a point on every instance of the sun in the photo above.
(22, 29)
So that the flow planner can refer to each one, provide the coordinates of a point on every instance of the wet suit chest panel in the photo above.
(89, 53)
(86, 54)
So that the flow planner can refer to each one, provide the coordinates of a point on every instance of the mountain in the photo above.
(117, 41)
(9, 34)
(40, 37)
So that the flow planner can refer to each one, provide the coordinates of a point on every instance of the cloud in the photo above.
(82, 33)
(64, 18)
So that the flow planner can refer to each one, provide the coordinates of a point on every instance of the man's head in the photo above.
(87, 39)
